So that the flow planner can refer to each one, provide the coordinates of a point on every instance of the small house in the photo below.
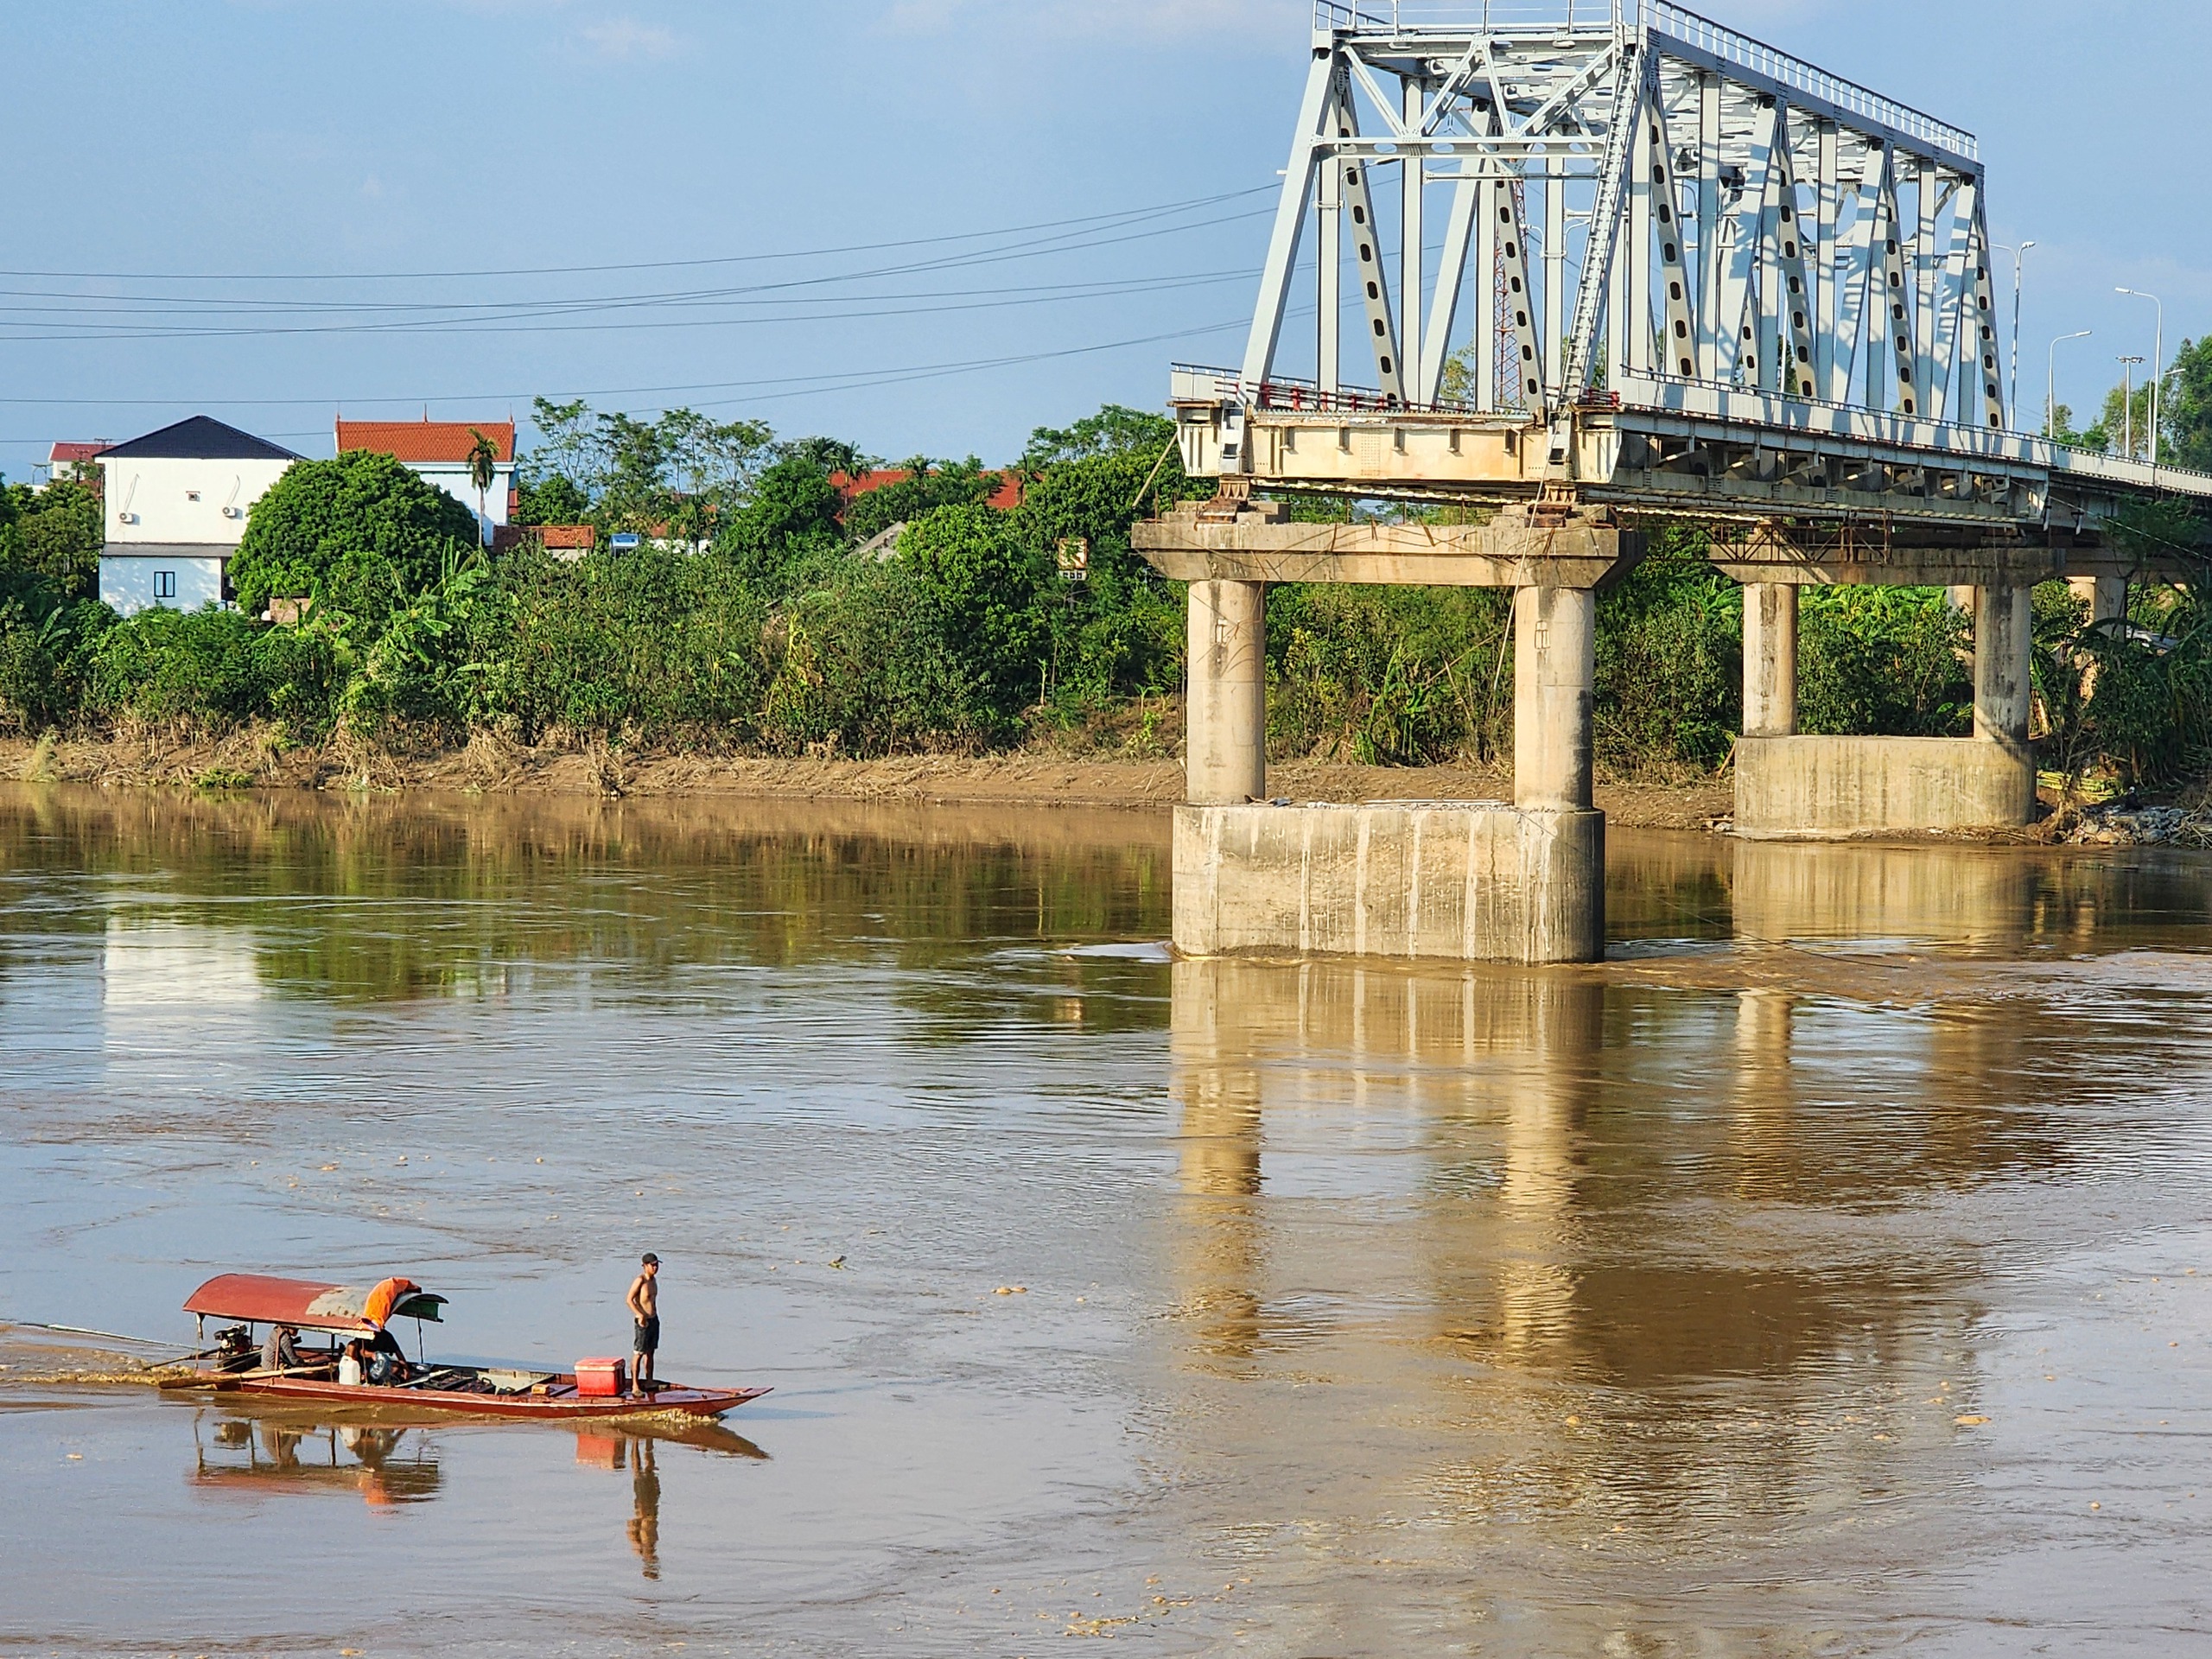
(175, 502)
(71, 460)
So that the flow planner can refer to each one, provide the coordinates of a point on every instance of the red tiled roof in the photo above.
(68, 449)
(427, 441)
(567, 535)
(1006, 498)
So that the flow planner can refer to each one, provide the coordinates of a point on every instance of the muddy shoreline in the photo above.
(252, 760)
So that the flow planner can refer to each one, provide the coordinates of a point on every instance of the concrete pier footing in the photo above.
(1818, 788)
(1445, 880)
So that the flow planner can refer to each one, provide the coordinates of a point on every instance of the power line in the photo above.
(646, 264)
(519, 311)
(799, 386)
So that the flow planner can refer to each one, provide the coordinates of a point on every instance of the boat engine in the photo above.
(234, 1350)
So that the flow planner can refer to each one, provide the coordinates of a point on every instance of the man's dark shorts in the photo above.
(647, 1340)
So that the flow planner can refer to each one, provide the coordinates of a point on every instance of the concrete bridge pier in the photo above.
(2003, 691)
(1769, 659)
(1792, 786)
(1226, 742)
(1471, 881)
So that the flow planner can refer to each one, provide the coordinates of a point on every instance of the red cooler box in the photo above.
(602, 1378)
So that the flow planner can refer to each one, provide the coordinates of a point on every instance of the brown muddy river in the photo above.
(1829, 1273)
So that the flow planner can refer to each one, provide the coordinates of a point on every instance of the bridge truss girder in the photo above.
(1781, 300)
(1749, 220)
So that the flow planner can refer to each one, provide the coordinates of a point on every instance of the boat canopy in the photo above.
(261, 1298)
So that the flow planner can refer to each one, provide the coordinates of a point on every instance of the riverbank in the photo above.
(252, 759)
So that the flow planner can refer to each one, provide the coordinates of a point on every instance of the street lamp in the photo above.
(2127, 405)
(2158, 357)
(2050, 393)
(2020, 256)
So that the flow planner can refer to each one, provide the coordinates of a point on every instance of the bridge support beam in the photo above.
(1226, 742)
(1769, 659)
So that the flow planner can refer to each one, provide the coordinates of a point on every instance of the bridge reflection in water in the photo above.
(1706, 1234)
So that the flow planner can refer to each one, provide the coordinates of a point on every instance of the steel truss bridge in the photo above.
(1681, 274)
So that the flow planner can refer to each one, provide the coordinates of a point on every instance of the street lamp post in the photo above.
(2127, 405)
(2020, 256)
(2158, 358)
(2050, 392)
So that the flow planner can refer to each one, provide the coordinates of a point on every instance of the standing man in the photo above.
(645, 1307)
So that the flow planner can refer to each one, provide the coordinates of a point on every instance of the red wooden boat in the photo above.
(346, 1312)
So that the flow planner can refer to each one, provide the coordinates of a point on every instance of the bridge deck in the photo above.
(1653, 446)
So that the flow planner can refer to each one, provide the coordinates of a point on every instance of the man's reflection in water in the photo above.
(281, 1445)
(645, 1497)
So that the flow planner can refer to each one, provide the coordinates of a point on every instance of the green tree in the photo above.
(831, 455)
(2185, 407)
(928, 486)
(483, 462)
(551, 499)
(56, 531)
(2123, 425)
(978, 588)
(1114, 430)
(790, 518)
(682, 469)
(359, 533)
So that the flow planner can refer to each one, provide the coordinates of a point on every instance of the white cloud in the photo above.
(624, 39)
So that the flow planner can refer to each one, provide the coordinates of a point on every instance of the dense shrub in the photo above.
(207, 669)
(1897, 661)
(1670, 656)
(785, 638)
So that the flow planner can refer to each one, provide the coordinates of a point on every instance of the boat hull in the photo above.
(553, 1406)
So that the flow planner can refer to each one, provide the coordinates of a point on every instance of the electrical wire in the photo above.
(646, 264)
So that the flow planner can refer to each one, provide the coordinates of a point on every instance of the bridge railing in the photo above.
(1742, 50)
(1398, 15)
(1662, 18)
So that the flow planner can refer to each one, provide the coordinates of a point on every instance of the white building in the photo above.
(438, 451)
(176, 502)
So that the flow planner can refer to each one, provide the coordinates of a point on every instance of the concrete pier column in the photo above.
(2105, 596)
(1769, 659)
(1225, 748)
(2003, 692)
(1555, 684)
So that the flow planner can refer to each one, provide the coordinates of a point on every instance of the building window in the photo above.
(164, 584)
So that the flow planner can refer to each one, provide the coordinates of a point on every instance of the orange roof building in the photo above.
(1005, 497)
(438, 451)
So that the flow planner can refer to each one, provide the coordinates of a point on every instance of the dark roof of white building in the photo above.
(201, 437)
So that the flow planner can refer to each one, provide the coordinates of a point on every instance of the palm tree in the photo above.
(483, 459)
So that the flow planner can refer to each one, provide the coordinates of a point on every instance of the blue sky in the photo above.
(314, 142)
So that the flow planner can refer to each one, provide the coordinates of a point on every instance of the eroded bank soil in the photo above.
(487, 765)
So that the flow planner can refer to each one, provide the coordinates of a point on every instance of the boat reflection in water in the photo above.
(268, 1457)
(266, 1454)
